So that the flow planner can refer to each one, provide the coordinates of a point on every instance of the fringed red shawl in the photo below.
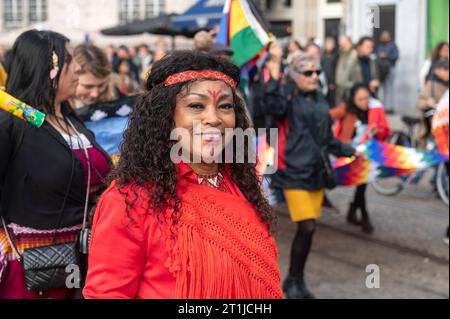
(219, 249)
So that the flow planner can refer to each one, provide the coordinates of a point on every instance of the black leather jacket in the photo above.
(304, 127)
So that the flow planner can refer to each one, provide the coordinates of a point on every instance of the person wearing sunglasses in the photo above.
(305, 139)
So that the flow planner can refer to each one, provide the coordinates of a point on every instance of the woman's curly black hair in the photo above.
(145, 153)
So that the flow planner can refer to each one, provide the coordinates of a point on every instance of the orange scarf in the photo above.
(221, 249)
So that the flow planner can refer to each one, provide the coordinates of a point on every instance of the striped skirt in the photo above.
(12, 280)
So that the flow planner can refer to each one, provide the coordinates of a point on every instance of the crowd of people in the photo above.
(162, 229)
(345, 64)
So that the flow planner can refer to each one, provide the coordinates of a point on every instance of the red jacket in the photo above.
(345, 127)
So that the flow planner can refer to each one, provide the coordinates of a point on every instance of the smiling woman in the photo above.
(95, 85)
(162, 230)
(205, 110)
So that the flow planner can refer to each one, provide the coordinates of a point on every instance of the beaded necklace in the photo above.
(216, 181)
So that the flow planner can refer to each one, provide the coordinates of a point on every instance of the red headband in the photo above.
(196, 75)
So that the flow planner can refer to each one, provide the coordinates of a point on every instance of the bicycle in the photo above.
(443, 183)
(395, 185)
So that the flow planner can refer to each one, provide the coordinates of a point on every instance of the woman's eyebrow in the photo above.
(203, 96)
(206, 96)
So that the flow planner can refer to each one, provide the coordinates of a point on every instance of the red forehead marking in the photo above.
(215, 95)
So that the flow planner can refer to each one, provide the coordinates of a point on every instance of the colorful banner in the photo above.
(21, 110)
(380, 160)
(242, 32)
(384, 160)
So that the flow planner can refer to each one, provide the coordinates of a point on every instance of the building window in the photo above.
(37, 11)
(154, 8)
(129, 10)
(13, 13)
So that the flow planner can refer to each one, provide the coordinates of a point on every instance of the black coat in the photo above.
(329, 65)
(36, 165)
(304, 128)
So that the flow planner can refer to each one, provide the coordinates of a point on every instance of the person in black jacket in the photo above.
(329, 62)
(273, 65)
(46, 173)
(305, 138)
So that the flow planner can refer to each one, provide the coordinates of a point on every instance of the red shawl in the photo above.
(219, 249)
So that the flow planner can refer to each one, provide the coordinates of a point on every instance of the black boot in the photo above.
(351, 215)
(295, 288)
(367, 226)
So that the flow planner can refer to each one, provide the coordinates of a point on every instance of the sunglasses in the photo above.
(311, 73)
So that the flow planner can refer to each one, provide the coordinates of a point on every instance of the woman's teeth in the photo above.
(212, 137)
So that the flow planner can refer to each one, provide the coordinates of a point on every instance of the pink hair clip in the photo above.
(55, 65)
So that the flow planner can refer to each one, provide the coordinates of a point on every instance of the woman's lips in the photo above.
(211, 137)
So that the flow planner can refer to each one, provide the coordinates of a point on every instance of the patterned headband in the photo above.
(196, 75)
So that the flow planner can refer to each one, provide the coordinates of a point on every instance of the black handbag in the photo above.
(330, 173)
(331, 181)
(45, 267)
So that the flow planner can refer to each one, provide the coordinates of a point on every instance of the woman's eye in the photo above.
(195, 106)
(226, 106)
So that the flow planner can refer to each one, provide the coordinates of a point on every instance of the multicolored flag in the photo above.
(382, 160)
(242, 32)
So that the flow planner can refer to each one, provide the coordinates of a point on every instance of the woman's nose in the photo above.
(212, 117)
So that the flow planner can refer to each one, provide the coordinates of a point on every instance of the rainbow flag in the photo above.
(357, 171)
(382, 160)
(242, 32)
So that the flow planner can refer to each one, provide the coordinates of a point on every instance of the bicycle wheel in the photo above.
(388, 186)
(442, 183)
(395, 185)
